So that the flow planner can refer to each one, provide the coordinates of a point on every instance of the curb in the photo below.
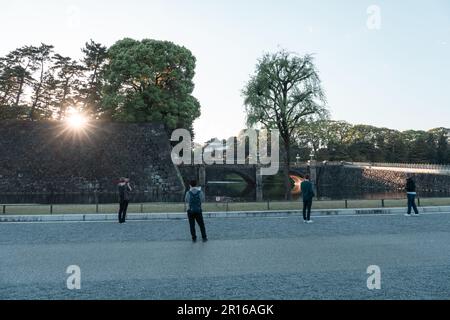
(209, 215)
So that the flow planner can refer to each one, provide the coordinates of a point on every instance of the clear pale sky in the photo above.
(397, 76)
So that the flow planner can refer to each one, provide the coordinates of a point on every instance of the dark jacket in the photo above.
(307, 190)
(410, 185)
(124, 192)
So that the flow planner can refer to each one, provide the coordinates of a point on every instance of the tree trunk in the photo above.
(89, 103)
(5, 95)
(286, 171)
(37, 93)
(19, 92)
(63, 107)
(35, 102)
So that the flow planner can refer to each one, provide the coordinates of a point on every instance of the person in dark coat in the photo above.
(411, 194)
(124, 190)
(308, 195)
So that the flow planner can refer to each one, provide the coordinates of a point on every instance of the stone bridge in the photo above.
(207, 174)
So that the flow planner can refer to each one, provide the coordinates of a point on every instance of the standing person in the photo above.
(411, 194)
(308, 195)
(124, 198)
(194, 198)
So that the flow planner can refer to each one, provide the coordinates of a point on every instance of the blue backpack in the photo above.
(195, 202)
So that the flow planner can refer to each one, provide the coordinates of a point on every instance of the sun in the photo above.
(76, 121)
(77, 125)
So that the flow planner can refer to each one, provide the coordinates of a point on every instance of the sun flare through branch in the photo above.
(77, 121)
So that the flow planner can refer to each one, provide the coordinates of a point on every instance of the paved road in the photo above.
(246, 258)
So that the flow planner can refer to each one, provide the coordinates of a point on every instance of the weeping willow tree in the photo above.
(284, 91)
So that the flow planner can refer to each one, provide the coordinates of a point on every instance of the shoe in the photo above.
(407, 215)
(194, 240)
(305, 221)
(205, 239)
(310, 222)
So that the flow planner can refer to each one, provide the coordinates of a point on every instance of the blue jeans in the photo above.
(412, 203)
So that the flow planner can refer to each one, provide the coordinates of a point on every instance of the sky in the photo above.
(382, 63)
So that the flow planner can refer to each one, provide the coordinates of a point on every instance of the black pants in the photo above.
(307, 205)
(412, 204)
(123, 211)
(193, 217)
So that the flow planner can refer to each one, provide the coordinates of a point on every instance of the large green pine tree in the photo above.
(150, 81)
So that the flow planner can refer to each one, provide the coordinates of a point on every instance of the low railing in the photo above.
(223, 206)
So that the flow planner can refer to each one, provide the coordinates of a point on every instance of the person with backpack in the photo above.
(308, 195)
(411, 194)
(194, 198)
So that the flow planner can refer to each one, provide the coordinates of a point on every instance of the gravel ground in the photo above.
(246, 258)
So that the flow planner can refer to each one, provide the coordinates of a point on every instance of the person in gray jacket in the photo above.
(194, 198)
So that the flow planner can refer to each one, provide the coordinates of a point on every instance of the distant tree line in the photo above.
(152, 81)
(342, 141)
(132, 81)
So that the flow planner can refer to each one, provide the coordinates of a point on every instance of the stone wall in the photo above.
(341, 177)
(47, 157)
(395, 180)
(190, 173)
